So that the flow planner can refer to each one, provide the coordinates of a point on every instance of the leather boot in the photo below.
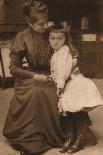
(69, 141)
(77, 146)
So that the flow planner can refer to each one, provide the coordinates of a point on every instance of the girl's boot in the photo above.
(77, 146)
(69, 142)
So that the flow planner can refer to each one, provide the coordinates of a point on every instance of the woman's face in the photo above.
(40, 25)
(57, 40)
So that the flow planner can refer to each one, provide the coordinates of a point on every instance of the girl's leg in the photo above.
(81, 120)
(70, 132)
(69, 124)
(83, 123)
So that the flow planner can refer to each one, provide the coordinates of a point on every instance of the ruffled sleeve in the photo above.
(17, 54)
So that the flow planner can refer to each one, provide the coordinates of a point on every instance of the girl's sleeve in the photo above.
(17, 54)
(64, 67)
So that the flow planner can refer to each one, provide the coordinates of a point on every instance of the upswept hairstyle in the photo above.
(34, 8)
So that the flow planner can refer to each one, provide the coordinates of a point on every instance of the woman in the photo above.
(33, 125)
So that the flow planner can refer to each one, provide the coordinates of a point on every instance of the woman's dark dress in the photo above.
(32, 122)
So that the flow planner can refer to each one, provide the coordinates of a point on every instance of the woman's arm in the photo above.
(17, 54)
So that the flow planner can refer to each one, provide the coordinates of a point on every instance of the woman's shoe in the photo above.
(24, 153)
(67, 144)
(77, 146)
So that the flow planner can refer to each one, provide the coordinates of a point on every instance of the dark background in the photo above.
(72, 10)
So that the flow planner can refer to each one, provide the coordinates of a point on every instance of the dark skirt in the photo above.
(32, 121)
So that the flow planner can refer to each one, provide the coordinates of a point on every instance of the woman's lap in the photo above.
(33, 120)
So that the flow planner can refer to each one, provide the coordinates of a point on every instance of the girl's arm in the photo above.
(64, 67)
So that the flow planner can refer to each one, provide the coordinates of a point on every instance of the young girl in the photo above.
(77, 94)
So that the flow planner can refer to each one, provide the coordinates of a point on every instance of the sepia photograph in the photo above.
(51, 77)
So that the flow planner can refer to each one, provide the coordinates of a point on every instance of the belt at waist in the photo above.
(41, 72)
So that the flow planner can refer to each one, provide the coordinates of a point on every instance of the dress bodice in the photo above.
(39, 57)
(35, 48)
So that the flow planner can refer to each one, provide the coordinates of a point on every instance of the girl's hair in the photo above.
(34, 8)
(58, 27)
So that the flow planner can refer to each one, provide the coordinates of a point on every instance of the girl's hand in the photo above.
(60, 84)
(40, 77)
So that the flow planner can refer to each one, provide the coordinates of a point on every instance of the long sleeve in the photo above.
(17, 54)
(61, 66)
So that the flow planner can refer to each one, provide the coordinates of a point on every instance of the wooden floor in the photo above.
(96, 117)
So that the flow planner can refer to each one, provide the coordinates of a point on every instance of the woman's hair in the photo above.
(58, 27)
(34, 8)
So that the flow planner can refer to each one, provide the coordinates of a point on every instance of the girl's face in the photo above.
(57, 40)
(40, 25)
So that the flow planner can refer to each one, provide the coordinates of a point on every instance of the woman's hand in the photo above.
(40, 77)
(59, 91)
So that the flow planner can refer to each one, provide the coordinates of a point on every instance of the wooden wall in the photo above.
(11, 16)
(12, 19)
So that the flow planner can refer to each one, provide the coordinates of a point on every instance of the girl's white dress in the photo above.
(79, 92)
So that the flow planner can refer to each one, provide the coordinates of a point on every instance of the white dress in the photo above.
(79, 92)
